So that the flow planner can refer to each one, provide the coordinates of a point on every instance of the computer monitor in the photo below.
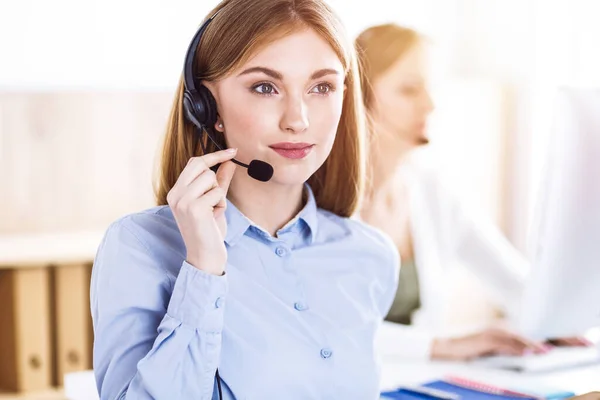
(562, 297)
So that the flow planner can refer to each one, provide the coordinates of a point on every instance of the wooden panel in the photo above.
(72, 320)
(8, 345)
(72, 161)
(51, 394)
(27, 332)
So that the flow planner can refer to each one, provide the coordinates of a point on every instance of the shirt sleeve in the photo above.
(154, 339)
(404, 341)
(491, 257)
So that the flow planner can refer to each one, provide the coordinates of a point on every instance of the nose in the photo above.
(295, 116)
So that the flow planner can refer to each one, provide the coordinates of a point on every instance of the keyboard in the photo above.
(556, 358)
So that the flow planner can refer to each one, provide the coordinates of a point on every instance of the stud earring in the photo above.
(220, 125)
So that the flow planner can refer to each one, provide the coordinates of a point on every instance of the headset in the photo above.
(200, 108)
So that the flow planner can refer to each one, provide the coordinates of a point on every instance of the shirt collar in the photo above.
(309, 213)
(238, 223)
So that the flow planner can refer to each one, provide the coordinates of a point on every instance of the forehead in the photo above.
(413, 62)
(299, 53)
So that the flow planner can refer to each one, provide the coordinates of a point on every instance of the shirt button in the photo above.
(219, 302)
(300, 306)
(280, 251)
(326, 353)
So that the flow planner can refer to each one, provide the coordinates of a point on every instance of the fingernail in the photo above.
(231, 150)
(547, 348)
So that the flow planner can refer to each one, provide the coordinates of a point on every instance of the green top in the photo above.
(407, 297)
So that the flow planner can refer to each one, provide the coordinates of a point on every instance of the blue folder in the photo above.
(466, 394)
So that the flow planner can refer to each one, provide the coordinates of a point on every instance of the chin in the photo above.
(291, 175)
(420, 137)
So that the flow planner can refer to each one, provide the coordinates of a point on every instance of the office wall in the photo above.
(77, 160)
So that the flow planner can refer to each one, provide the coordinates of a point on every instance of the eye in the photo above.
(322, 88)
(408, 90)
(265, 89)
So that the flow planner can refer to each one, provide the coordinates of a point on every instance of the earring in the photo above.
(220, 125)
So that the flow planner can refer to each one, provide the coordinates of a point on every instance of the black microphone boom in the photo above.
(259, 170)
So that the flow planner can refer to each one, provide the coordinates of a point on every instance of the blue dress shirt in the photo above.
(294, 316)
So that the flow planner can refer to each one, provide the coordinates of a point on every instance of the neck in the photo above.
(388, 152)
(268, 205)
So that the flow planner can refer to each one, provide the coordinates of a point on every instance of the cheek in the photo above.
(324, 116)
(246, 121)
(398, 107)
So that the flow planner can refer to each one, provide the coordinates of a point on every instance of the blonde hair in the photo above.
(379, 47)
(236, 33)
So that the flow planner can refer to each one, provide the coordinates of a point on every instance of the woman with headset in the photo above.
(432, 229)
(250, 285)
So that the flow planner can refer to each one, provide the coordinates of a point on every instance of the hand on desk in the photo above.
(495, 341)
(587, 396)
(488, 342)
(570, 342)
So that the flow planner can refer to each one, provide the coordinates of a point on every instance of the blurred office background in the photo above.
(86, 87)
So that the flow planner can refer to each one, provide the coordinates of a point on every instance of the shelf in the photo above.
(23, 251)
(56, 394)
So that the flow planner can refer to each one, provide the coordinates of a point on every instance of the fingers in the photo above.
(513, 344)
(197, 165)
(212, 197)
(587, 396)
(225, 174)
(201, 185)
(570, 341)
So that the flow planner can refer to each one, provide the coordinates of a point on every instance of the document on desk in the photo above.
(465, 389)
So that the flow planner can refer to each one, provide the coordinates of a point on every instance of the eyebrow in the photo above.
(277, 75)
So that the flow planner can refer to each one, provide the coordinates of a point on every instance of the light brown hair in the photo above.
(378, 48)
(239, 30)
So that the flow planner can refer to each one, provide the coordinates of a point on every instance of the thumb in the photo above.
(225, 174)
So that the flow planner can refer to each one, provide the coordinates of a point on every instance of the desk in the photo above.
(397, 372)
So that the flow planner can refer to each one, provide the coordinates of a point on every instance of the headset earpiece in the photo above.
(200, 107)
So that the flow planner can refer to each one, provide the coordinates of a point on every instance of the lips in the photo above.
(292, 150)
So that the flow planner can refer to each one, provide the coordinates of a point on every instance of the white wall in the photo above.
(141, 44)
(95, 44)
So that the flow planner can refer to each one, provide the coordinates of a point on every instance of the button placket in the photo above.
(280, 251)
(326, 353)
(300, 306)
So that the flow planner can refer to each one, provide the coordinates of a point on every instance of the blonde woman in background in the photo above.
(431, 228)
